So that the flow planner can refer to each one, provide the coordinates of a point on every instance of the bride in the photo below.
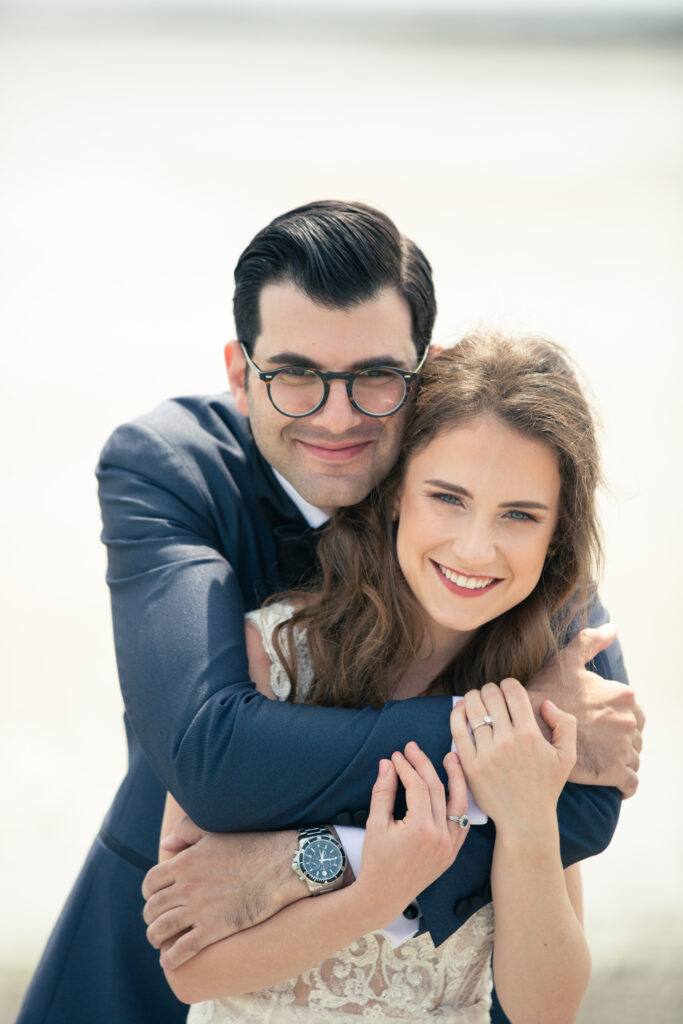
(465, 566)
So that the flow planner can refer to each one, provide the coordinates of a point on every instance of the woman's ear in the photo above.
(236, 365)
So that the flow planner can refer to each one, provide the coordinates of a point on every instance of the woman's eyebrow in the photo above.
(524, 504)
(457, 489)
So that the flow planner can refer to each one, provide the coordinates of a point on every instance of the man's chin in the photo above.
(330, 494)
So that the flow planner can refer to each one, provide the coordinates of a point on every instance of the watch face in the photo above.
(322, 860)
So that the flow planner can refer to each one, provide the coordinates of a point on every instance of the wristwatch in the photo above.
(319, 860)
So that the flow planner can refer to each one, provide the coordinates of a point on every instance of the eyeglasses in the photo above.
(297, 391)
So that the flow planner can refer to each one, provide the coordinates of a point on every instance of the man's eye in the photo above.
(377, 375)
(296, 374)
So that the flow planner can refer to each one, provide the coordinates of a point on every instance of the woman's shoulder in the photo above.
(265, 664)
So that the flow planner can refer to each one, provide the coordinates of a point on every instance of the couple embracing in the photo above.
(456, 566)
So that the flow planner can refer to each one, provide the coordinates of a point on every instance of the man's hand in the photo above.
(609, 721)
(216, 884)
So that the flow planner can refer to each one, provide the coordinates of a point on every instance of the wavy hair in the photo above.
(362, 620)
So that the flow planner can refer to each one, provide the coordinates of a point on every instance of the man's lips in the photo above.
(335, 452)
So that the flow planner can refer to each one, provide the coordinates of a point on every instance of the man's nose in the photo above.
(337, 414)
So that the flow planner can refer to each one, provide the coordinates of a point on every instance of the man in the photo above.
(205, 505)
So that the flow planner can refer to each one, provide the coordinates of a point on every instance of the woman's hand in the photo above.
(401, 858)
(515, 775)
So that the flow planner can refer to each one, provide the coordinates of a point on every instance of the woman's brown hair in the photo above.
(361, 619)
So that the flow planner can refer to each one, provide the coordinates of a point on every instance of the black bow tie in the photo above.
(295, 540)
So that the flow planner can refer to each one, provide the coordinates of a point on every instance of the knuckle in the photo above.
(149, 886)
(189, 944)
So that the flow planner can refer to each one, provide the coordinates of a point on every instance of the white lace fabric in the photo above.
(367, 981)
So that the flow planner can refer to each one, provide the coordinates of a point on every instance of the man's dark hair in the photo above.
(338, 254)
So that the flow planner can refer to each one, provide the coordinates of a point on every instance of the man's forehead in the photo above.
(296, 329)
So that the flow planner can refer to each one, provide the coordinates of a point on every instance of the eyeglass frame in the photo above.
(409, 376)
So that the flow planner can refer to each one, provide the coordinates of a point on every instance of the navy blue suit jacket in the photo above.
(188, 513)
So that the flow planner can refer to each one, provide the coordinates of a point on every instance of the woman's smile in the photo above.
(466, 586)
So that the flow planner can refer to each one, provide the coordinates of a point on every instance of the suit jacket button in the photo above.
(344, 818)
(360, 818)
(462, 908)
(411, 912)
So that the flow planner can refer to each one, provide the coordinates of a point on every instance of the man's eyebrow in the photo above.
(288, 358)
(457, 489)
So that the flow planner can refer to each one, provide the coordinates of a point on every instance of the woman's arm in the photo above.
(400, 858)
(541, 961)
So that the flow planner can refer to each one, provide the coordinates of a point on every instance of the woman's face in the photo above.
(477, 510)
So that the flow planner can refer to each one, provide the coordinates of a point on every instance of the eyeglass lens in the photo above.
(298, 391)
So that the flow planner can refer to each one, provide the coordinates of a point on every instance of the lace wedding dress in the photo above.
(369, 981)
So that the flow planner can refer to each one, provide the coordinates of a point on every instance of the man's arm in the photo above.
(210, 863)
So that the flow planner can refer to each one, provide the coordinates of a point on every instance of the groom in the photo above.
(207, 508)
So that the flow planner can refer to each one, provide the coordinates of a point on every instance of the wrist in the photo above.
(535, 838)
(377, 906)
(290, 887)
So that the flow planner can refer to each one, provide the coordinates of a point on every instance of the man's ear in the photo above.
(236, 365)
(434, 351)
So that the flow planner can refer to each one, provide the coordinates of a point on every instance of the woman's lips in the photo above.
(481, 587)
(343, 453)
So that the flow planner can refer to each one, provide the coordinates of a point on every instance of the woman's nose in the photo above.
(474, 545)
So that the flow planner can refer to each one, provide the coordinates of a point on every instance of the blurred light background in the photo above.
(535, 152)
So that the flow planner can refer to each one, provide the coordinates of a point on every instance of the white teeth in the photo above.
(469, 582)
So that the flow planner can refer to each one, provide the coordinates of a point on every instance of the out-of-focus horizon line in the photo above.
(524, 24)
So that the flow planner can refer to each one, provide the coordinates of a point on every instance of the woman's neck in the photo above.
(437, 650)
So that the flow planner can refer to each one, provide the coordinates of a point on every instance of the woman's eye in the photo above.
(448, 499)
(517, 514)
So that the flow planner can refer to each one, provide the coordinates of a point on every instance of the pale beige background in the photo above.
(544, 183)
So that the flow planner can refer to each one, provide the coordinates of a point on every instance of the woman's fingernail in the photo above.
(384, 766)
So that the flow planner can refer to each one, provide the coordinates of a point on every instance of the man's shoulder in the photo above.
(197, 416)
(193, 427)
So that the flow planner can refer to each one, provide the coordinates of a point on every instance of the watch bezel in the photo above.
(308, 838)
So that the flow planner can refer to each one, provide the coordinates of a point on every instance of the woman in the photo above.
(465, 566)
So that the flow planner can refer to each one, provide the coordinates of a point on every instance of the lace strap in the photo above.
(266, 620)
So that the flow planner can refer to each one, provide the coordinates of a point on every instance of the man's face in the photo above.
(336, 455)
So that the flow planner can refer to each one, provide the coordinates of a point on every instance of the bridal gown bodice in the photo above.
(368, 980)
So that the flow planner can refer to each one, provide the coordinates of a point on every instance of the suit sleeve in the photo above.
(232, 758)
(588, 815)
